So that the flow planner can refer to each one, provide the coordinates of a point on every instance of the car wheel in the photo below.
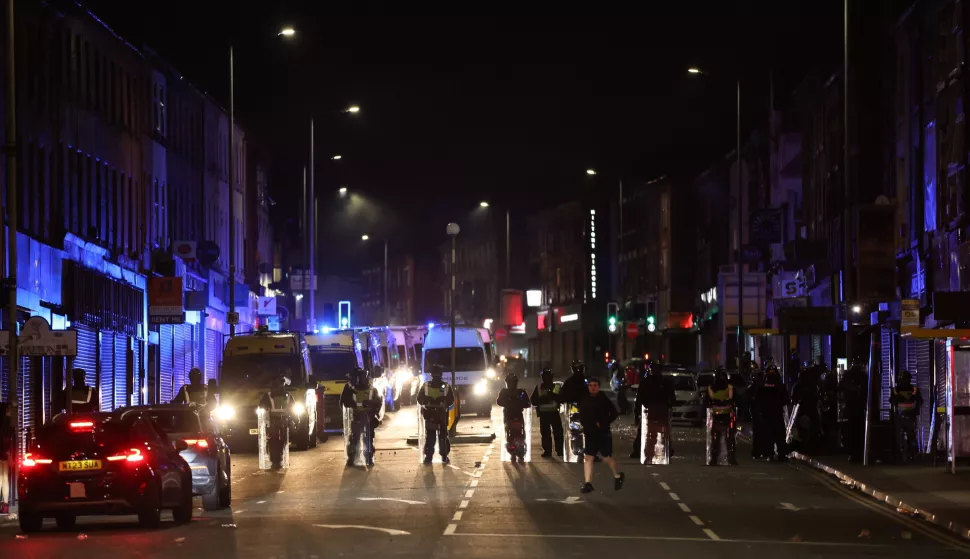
(66, 521)
(182, 514)
(225, 493)
(30, 521)
(150, 515)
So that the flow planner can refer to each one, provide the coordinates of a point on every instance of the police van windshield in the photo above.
(259, 370)
(466, 358)
(333, 365)
(403, 352)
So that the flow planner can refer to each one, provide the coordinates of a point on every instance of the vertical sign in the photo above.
(909, 315)
(165, 301)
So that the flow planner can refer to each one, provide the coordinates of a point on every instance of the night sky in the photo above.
(511, 109)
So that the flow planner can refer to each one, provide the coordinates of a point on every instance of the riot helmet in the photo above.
(358, 377)
(578, 368)
(436, 372)
(905, 378)
(78, 376)
(195, 376)
(511, 381)
(546, 374)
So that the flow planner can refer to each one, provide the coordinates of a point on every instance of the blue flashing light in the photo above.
(326, 329)
(430, 325)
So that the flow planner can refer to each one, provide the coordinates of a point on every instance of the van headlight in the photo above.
(224, 412)
(298, 409)
(489, 373)
(481, 388)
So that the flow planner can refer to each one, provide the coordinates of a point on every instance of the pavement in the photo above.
(482, 507)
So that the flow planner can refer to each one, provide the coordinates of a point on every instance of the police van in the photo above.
(405, 369)
(334, 354)
(473, 370)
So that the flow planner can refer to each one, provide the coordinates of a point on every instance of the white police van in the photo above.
(473, 370)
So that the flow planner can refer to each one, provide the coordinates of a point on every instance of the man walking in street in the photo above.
(597, 412)
(547, 407)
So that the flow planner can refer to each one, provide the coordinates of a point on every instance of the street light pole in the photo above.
(232, 188)
(313, 230)
(305, 227)
(453, 231)
(740, 234)
(387, 316)
(13, 356)
(508, 248)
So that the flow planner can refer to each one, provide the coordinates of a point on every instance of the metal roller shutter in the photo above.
(182, 360)
(106, 367)
(46, 380)
(165, 364)
(122, 343)
(87, 354)
(213, 354)
(919, 365)
(942, 369)
(886, 368)
(138, 391)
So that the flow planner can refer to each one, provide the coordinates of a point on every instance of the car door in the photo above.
(165, 459)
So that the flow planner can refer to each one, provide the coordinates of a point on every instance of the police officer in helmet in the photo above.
(84, 398)
(435, 397)
(360, 396)
(768, 405)
(195, 392)
(544, 398)
(907, 400)
(514, 401)
(720, 395)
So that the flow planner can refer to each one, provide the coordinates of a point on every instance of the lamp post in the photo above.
(387, 314)
(452, 229)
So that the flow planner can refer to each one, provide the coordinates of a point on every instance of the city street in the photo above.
(481, 507)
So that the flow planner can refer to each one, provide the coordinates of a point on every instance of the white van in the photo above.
(471, 364)
(406, 372)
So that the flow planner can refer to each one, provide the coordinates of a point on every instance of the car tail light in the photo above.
(82, 426)
(30, 460)
(201, 443)
(130, 455)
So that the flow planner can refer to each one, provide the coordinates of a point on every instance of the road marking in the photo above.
(567, 500)
(484, 458)
(280, 491)
(791, 507)
(407, 501)
(710, 533)
(474, 483)
(457, 516)
(684, 507)
(667, 538)
(469, 494)
(260, 502)
(451, 529)
(463, 504)
(674, 496)
(696, 520)
(664, 486)
(388, 531)
(238, 511)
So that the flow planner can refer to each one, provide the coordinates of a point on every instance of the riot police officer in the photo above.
(364, 402)
(84, 398)
(656, 393)
(768, 404)
(435, 397)
(574, 390)
(906, 400)
(720, 395)
(276, 403)
(514, 401)
(544, 398)
(195, 392)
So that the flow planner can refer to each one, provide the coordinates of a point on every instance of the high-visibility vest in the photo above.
(363, 396)
(721, 401)
(906, 400)
(434, 393)
(82, 399)
(550, 406)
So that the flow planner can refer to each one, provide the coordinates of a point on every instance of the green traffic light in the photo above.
(651, 320)
(612, 321)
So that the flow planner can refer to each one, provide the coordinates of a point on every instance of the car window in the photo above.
(143, 432)
(175, 421)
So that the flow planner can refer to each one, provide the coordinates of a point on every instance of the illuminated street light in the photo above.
(364, 237)
(483, 204)
(857, 309)
(693, 71)
(287, 32)
(343, 191)
(590, 171)
(353, 109)
(337, 157)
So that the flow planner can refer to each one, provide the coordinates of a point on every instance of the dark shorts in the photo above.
(598, 443)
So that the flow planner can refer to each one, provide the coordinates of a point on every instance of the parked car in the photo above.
(103, 464)
(689, 398)
(206, 452)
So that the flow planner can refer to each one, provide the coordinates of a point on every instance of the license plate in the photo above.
(79, 466)
(78, 491)
(254, 431)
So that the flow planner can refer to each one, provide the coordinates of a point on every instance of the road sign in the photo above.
(186, 250)
(909, 315)
(207, 252)
(232, 317)
(267, 306)
(500, 334)
(632, 330)
(38, 340)
(165, 301)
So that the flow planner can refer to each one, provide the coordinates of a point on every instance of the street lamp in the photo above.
(342, 190)
(353, 109)
(590, 172)
(365, 237)
(337, 157)
(483, 204)
(693, 71)
(452, 231)
(287, 32)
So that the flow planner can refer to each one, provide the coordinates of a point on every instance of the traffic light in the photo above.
(343, 314)
(612, 309)
(651, 323)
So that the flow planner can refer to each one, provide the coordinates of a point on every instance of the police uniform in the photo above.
(722, 421)
(197, 394)
(364, 401)
(84, 399)
(435, 397)
(545, 398)
(907, 400)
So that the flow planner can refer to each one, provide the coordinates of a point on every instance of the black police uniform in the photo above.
(768, 404)
(435, 397)
(544, 398)
(907, 401)
(514, 401)
(84, 398)
(656, 393)
(721, 402)
(365, 401)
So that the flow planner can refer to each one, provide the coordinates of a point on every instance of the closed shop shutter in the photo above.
(817, 349)
(138, 391)
(942, 371)
(213, 354)
(919, 365)
(122, 343)
(107, 370)
(886, 368)
(47, 382)
(165, 364)
(183, 360)
(87, 354)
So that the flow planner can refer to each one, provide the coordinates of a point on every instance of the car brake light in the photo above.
(30, 460)
(132, 455)
(82, 426)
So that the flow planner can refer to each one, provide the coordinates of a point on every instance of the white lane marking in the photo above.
(674, 496)
(684, 507)
(474, 483)
(791, 507)
(696, 520)
(664, 486)
(668, 539)
(566, 501)
(407, 501)
(238, 511)
(469, 494)
(484, 459)
(260, 502)
(451, 529)
(280, 491)
(710, 533)
(388, 531)
(463, 504)
(457, 516)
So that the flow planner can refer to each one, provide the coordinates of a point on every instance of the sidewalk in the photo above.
(937, 496)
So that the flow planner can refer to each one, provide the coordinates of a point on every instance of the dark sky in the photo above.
(509, 108)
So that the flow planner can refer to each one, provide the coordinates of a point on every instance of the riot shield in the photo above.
(790, 426)
(572, 432)
(262, 424)
(720, 437)
(517, 439)
(654, 438)
(358, 437)
(273, 438)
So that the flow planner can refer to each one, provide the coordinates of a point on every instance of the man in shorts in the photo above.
(596, 413)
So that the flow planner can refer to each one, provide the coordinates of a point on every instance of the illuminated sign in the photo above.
(533, 298)
(343, 314)
(592, 253)
(569, 317)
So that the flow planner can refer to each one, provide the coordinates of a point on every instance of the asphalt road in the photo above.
(482, 507)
